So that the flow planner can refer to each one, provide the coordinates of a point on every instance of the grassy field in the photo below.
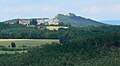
(55, 27)
(24, 42)
(27, 42)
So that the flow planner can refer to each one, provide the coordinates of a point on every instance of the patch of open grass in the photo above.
(26, 42)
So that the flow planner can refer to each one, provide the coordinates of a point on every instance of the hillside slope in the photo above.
(68, 19)
(77, 20)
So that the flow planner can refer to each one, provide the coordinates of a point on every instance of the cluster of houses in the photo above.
(45, 21)
(49, 23)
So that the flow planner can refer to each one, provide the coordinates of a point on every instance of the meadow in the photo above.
(26, 42)
(55, 27)
(23, 42)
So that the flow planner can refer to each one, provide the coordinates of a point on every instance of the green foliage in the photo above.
(33, 22)
(62, 24)
(105, 36)
(11, 49)
(80, 47)
(64, 55)
(8, 26)
(77, 20)
(13, 45)
(31, 33)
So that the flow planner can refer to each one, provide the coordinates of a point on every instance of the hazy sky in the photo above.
(95, 9)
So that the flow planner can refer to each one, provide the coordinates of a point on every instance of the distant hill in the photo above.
(14, 20)
(77, 20)
(112, 22)
(68, 19)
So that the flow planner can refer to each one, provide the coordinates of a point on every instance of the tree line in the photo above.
(31, 33)
(4, 26)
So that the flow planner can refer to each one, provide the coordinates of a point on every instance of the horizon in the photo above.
(100, 10)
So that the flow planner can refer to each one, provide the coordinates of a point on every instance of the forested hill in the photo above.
(8, 26)
(74, 20)
(77, 20)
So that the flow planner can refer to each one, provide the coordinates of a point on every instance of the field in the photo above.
(55, 27)
(23, 42)
(26, 42)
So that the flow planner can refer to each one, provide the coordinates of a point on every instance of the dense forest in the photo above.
(104, 35)
(79, 46)
(4, 26)
(17, 31)
(31, 33)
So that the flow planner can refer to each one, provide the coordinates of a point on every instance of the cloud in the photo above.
(92, 9)
(8, 1)
(27, 10)
(112, 9)
(36, 8)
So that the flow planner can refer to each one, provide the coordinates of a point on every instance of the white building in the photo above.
(53, 22)
(40, 22)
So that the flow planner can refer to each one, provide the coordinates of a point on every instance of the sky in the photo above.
(100, 10)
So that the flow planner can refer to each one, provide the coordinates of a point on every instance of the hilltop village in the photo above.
(59, 21)
(51, 24)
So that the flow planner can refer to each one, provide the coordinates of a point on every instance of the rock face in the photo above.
(77, 20)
